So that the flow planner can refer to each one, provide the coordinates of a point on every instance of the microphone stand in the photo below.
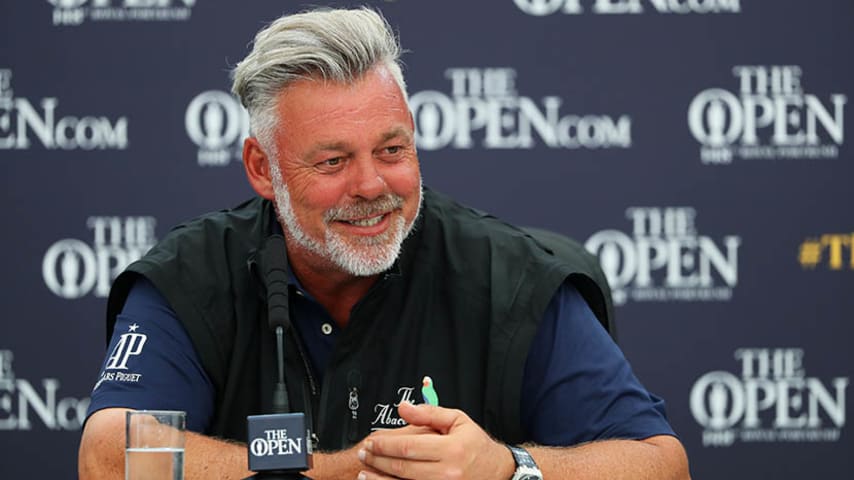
(278, 316)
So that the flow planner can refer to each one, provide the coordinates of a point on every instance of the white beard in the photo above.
(358, 256)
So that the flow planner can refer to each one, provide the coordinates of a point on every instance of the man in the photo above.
(389, 282)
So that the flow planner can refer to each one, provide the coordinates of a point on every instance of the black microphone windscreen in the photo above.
(274, 266)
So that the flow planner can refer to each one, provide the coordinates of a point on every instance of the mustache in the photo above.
(364, 208)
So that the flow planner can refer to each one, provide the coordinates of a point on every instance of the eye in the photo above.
(393, 149)
(330, 164)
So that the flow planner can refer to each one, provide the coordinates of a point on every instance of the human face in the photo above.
(350, 188)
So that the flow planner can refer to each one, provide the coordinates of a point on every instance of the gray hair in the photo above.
(335, 45)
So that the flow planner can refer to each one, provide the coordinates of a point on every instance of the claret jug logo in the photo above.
(665, 259)
(772, 401)
(75, 12)
(770, 117)
(21, 122)
(276, 442)
(541, 8)
(21, 402)
(829, 250)
(217, 123)
(72, 268)
(485, 109)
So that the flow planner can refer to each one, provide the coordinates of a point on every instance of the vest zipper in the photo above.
(354, 382)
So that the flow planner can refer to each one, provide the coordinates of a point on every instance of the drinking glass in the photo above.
(154, 447)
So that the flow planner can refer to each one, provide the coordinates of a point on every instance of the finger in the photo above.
(366, 475)
(395, 467)
(437, 418)
(407, 430)
(413, 447)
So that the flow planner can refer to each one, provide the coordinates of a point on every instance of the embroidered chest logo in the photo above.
(385, 414)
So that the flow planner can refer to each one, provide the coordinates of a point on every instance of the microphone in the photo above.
(279, 445)
(275, 273)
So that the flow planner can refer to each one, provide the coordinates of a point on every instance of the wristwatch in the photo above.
(526, 467)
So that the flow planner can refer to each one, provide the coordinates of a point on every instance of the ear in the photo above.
(257, 166)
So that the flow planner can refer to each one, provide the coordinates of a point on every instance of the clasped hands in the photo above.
(437, 443)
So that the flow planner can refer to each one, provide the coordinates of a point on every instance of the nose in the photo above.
(367, 181)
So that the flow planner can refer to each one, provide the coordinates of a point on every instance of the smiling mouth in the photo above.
(365, 222)
(366, 217)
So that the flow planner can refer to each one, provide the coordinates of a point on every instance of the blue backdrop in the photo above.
(699, 147)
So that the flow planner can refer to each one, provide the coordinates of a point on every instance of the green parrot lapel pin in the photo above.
(428, 392)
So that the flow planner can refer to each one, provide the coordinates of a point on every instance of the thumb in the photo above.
(437, 418)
